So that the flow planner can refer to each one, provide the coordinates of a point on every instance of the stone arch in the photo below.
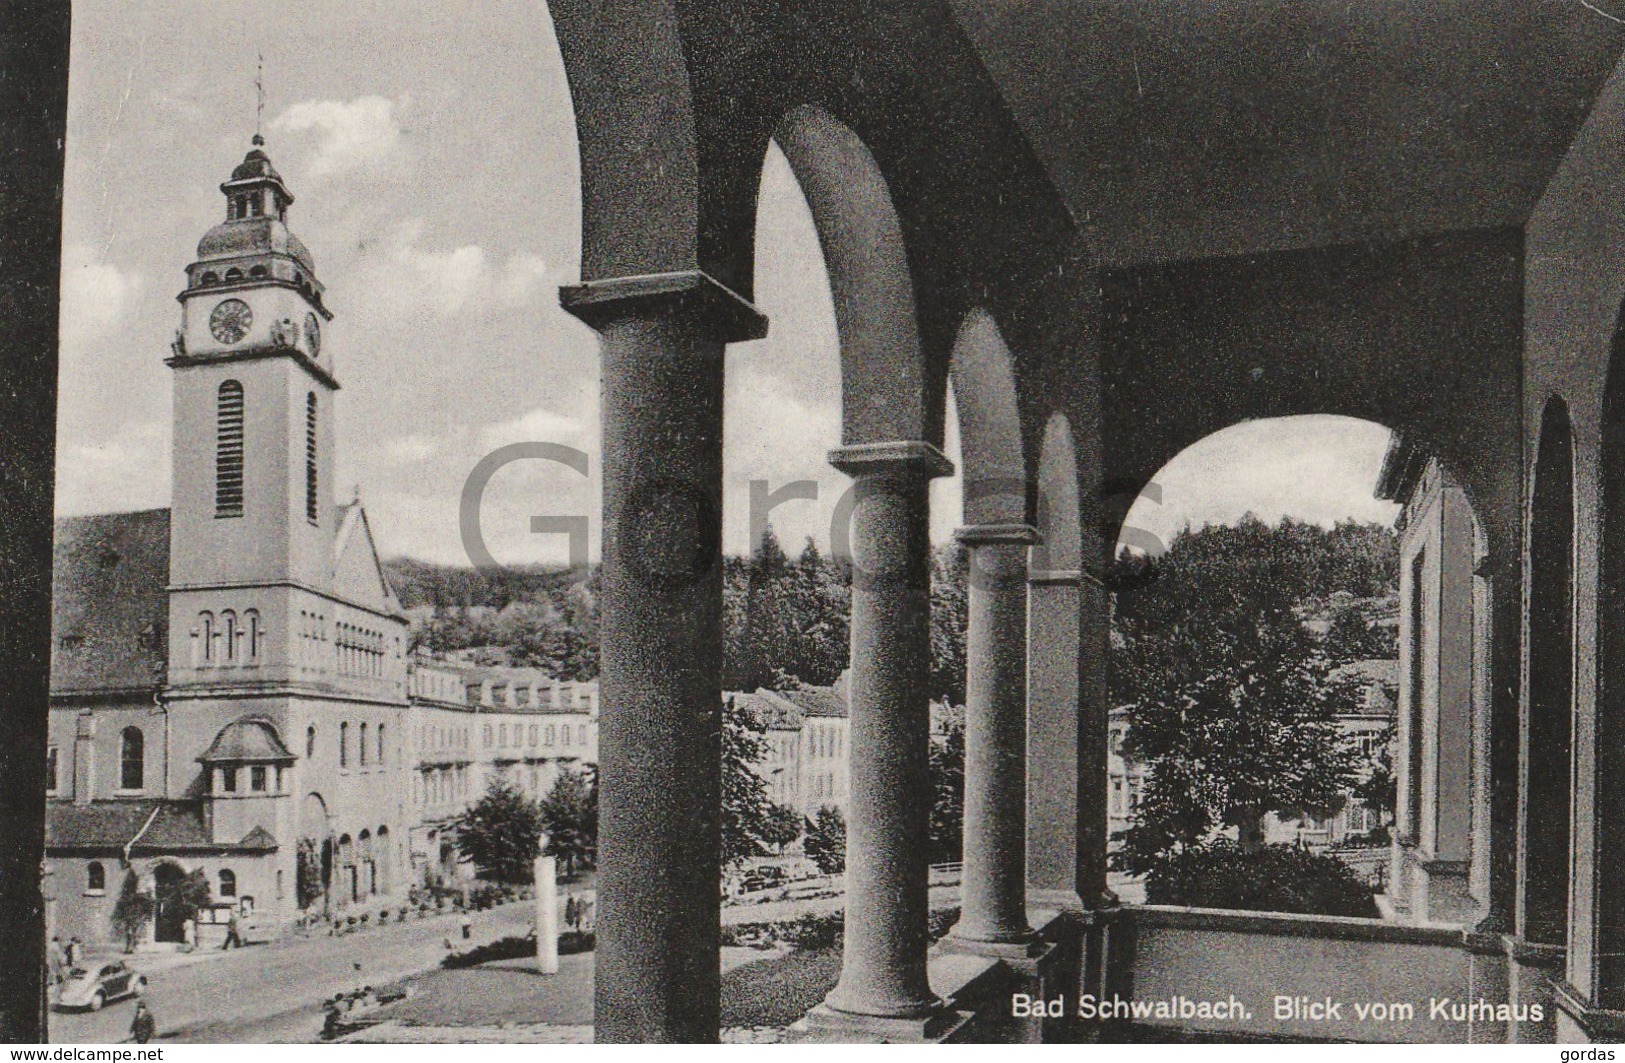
(1058, 514)
(1548, 732)
(634, 103)
(884, 394)
(384, 860)
(1607, 958)
(1066, 728)
(991, 447)
(169, 916)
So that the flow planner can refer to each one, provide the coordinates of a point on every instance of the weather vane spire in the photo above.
(259, 99)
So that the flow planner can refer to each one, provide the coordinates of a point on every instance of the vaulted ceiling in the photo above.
(1182, 129)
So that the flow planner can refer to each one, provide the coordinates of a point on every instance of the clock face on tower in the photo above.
(313, 334)
(231, 321)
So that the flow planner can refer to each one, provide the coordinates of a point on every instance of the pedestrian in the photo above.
(467, 924)
(233, 937)
(57, 960)
(572, 912)
(73, 950)
(143, 1027)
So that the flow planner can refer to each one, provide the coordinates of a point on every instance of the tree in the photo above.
(1354, 636)
(746, 808)
(1233, 704)
(782, 826)
(182, 898)
(133, 911)
(948, 793)
(1378, 790)
(570, 816)
(950, 616)
(310, 883)
(500, 834)
(826, 840)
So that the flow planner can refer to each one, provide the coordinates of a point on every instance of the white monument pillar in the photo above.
(547, 912)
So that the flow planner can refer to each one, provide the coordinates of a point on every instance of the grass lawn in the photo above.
(504, 991)
(780, 989)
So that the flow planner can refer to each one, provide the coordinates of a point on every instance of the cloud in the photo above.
(452, 281)
(1316, 468)
(116, 474)
(97, 298)
(359, 134)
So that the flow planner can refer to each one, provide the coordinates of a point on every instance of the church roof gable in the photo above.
(357, 573)
(109, 601)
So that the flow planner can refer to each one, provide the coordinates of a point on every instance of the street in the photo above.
(274, 992)
(267, 992)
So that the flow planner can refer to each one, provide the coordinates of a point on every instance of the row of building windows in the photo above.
(259, 778)
(226, 881)
(368, 751)
(233, 275)
(437, 786)
(505, 737)
(312, 633)
(227, 639)
(825, 742)
(132, 764)
(361, 650)
(432, 738)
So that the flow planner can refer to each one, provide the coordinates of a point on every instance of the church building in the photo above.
(229, 688)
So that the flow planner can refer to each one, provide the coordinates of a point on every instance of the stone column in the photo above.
(657, 976)
(993, 908)
(889, 798)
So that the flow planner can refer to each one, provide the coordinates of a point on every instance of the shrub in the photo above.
(516, 947)
(812, 931)
(1276, 878)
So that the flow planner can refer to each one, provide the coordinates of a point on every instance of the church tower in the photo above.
(253, 395)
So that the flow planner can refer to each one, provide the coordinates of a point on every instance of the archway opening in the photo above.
(1298, 661)
(1549, 733)
(170, 911)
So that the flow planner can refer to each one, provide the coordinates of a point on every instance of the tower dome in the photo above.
(254, 244)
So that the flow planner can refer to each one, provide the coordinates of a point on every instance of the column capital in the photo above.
(725, 315)
(1070, 577)
(900, 456)
(995, 534)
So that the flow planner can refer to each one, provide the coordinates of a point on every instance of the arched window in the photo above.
(132, 759)
(380, 743)
(252, 632)
(211, 277)
(205, 627)
(228, 623)
(233, 274)
(363, 745)
(258, 271)
(344, 744)
(228, 450)
(312, 505)
(95, 877)
(310, 741)
(228, 883)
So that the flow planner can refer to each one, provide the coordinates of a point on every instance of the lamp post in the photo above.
(547, 910)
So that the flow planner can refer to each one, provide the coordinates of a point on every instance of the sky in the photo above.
(431, 150)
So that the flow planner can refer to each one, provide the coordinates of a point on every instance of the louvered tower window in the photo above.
(228, 451)
(312, 509)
